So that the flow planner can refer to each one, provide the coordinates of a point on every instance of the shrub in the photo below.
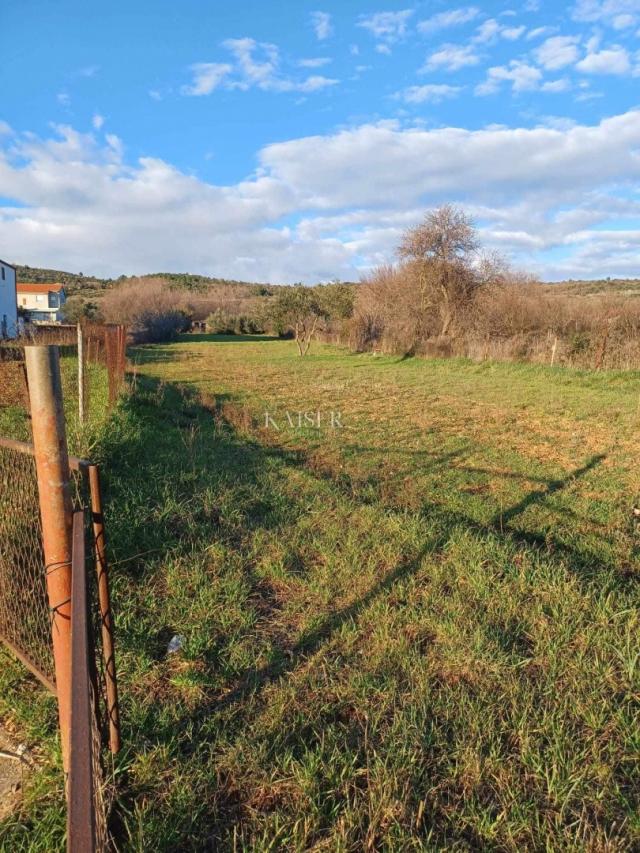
(151, 309)
(220, 323)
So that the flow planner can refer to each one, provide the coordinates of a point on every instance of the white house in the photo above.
(8, 307)
(40, 303)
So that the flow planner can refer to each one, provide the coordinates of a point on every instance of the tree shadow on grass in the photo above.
(255, 679)
(177, 444)
(197, 338)
(171, 450)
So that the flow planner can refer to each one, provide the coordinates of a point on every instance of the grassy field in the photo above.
(81, 438)
(412, 629)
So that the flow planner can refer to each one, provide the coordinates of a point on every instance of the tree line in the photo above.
(444, 295)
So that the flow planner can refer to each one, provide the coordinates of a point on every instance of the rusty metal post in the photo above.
(81, 813)
(81, 407)
(106, 616)
(54, 492)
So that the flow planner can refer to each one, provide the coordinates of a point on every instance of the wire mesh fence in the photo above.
(93, 365)
(25, 618)
(26, 623)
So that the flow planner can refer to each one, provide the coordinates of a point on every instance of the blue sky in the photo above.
(296, 141)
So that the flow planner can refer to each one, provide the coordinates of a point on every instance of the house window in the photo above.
(24, 300)
(39, 298)
(3, 273)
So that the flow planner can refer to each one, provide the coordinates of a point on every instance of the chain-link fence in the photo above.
(25, 625)
(26, 618)
(92, 364)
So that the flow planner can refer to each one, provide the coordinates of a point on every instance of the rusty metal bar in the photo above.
(75, 462)
(42, 678)
(81, 819)
(106, 616)
(54, 494)
(81, 406)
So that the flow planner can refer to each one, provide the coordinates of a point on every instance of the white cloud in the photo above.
(387, 27)
(538, 32)
(97, 121)
(63, 98)
(491, 30)
(556, 86)
(523, 78)
(451, 57)
(615, 60)
(622, 22)
(512, 33)
(617, 13)
(207, 76)
(82, 206)
(315, 83)
(321, 23)
(451, 18)
(557, 52)
(314, 62)
(5, 128)
(256, 64)
(433, 93)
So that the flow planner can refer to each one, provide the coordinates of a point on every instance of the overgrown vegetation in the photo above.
(467, 305)
(445, 298)
(416, 632)
(151, 312)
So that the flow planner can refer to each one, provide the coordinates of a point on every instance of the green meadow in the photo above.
(406, 593)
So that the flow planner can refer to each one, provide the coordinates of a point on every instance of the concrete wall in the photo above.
(8, 309)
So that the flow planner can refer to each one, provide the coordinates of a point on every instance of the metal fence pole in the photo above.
(54, 492)
(81, 815)
(80, 374)
(106, 616)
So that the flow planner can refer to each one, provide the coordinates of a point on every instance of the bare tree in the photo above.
(442, 252)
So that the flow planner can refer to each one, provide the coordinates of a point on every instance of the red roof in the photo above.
(31, 287)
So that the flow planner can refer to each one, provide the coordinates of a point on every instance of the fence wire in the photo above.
(25, 623)
(25, 617)
(103, 363)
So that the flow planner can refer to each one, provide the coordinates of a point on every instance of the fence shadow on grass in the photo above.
(170, 450)
(176, 444)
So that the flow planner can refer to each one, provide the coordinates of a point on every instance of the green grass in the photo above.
(81, 438)
(416, 632)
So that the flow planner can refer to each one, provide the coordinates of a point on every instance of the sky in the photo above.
(296, 141)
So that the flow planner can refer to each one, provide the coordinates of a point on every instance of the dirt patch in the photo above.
(13, 768)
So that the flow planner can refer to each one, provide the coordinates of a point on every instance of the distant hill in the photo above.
(596, 287)
(72, 281)
(80, 284)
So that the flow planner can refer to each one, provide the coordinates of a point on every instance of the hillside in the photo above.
(596, 287)
(78, 283)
